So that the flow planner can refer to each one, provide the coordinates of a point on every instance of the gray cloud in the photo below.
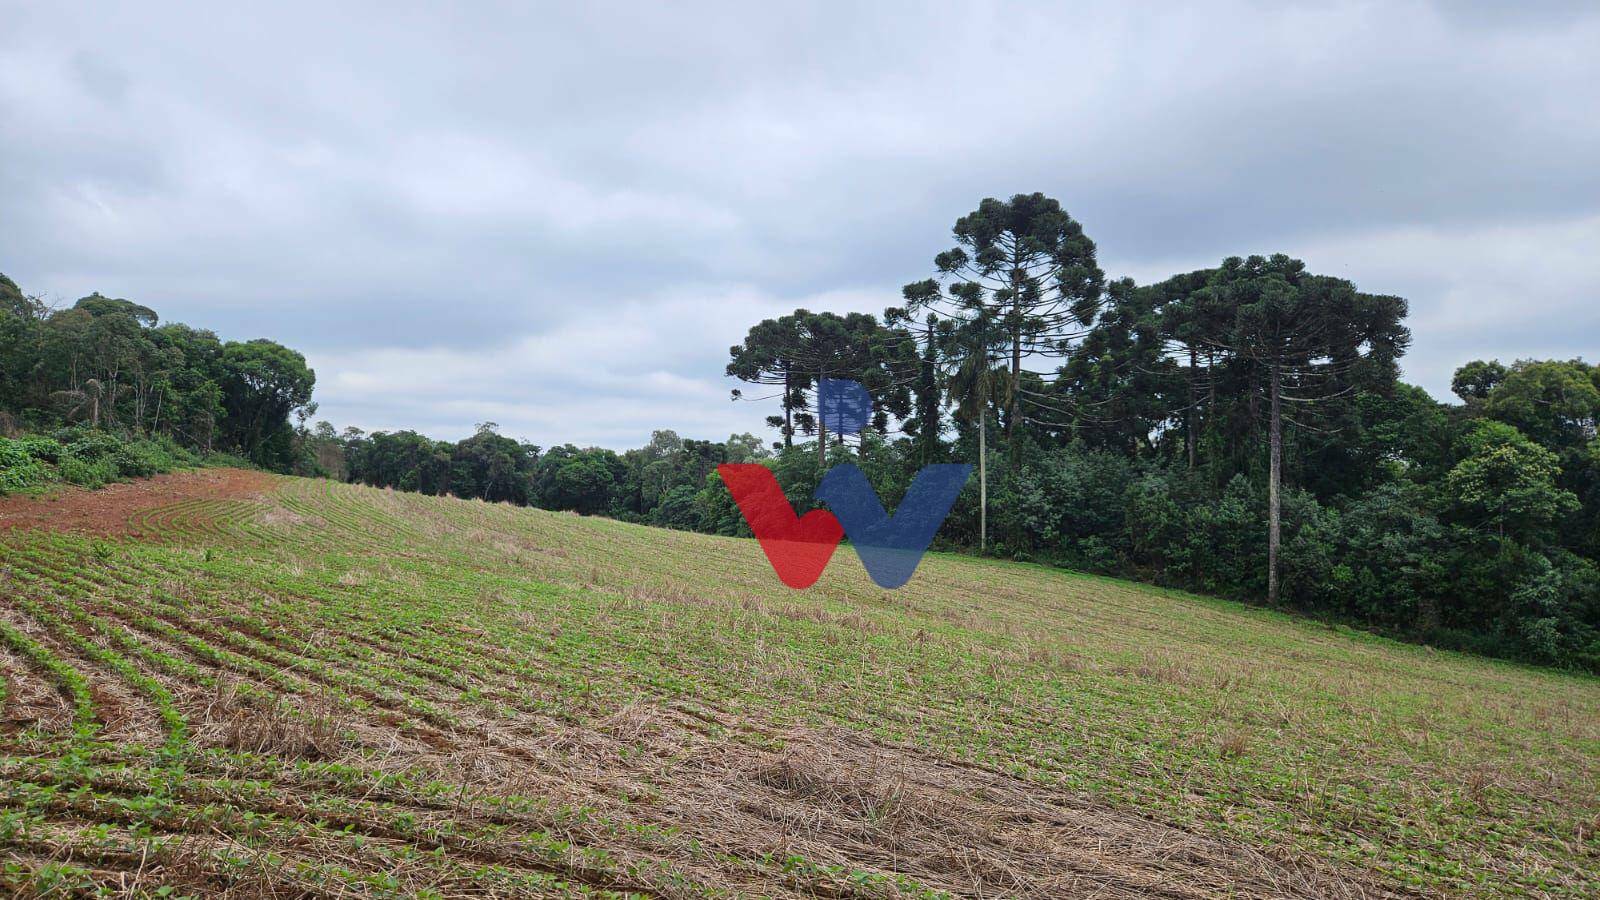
(559, 218)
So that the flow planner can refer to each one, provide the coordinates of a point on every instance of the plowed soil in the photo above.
(108, 511)
(231, 684)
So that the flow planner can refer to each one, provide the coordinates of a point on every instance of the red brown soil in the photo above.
(109, 510)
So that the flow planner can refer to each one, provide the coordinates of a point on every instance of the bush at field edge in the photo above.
(85, 457)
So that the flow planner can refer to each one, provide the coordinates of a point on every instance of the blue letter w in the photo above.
(890, 548)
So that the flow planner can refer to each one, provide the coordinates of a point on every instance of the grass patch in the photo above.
(426, 689)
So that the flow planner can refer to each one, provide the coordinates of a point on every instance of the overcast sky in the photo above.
(559, 218)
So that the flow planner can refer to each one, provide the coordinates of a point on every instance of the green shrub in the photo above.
(179, 455)
(40, 448)
(90, 473)
(143, 458)
(18, 469)
(89, 445)
(217, 459)
(140, 459)
(92, 459)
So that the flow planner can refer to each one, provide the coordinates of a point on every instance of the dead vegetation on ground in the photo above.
(294, 689)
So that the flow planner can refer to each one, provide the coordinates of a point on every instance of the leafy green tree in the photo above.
(716, 510)
(1120, 386)
(1155, 521)
(109, 363)
(1224, 542)
(926, 425)
(1402, 434)
(109, 347)
(1298, 338)
(745, 447)
(1556, 404)
(1025, 264)
(188, 392)
(679, 508)
(16, 304)
(1031, 522)
(1187, 339)
(20, 323)
(795, 352)
(404, 460)
(1392, 560)
(489, 466)
(1506, 484)
(584, 481)
(1555, 610)
(263, 382)
(1474, 381)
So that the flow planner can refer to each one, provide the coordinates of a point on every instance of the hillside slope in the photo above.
(285, 687)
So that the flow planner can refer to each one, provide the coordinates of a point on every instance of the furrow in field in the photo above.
(360, 829)
(111, 649)
(264, 653)
(63, 857)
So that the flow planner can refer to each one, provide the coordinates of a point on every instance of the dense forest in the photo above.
(111, 366)
(1239, 430)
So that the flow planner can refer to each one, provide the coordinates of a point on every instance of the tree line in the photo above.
(669, 482)
(1239, 430)
(110, 365)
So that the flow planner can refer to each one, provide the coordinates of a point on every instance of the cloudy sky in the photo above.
(559, 216)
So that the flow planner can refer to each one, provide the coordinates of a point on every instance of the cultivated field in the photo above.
(226, 682)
